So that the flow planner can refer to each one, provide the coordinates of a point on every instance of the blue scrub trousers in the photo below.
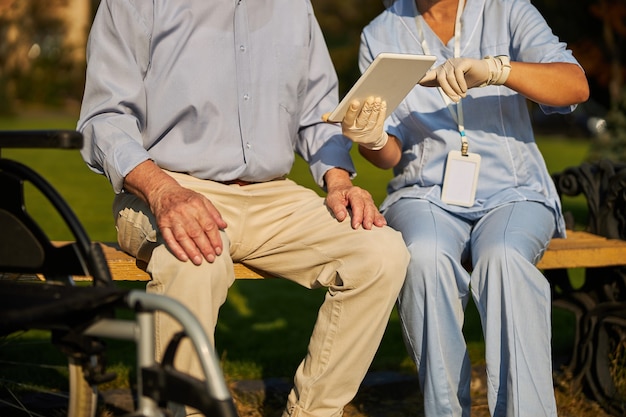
(511, 294)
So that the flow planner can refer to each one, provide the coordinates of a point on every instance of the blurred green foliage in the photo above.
(36, 68)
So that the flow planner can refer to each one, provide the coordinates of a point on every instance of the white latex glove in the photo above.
(365, 124)
(457, 75)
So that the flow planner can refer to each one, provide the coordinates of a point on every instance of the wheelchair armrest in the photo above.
(59, 139)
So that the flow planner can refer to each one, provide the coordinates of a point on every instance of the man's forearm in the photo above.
(337, 177)
(145, 179)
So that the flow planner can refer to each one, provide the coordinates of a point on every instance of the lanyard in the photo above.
(457, 114)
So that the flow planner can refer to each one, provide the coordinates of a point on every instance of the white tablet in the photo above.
(390, 76)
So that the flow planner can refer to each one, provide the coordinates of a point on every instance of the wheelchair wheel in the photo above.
(38, 381)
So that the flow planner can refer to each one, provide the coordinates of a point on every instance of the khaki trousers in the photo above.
(284, 229)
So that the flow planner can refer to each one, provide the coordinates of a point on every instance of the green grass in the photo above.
(264, 326)
(87, 193)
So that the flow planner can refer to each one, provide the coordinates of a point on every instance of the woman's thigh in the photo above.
(429, 231)
(518, 229)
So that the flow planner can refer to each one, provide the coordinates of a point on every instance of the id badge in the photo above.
(460, 179)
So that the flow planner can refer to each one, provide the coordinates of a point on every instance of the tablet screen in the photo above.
(390, 76)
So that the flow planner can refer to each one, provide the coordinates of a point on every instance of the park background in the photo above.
(264, 326)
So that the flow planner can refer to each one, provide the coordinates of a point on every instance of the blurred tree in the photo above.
(42, 46)
(611, 143)
(12, 51)
(596, 32)
(342, 22)
(77, 17)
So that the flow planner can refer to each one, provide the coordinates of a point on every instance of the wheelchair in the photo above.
(38, 291)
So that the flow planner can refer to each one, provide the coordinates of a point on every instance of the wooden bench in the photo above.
(578, 250)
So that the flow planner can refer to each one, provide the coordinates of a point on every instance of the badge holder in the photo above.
(461, 177)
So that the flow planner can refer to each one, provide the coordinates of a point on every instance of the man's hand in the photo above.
(189, 223)
(343, 195)
(457, 75)
(365, 124)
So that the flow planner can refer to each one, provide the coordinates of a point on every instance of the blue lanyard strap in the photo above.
(455, 111)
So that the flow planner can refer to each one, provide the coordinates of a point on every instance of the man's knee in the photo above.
(175, 276)
(385, 255)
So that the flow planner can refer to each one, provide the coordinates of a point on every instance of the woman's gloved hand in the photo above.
(457, 75)
(365, 124)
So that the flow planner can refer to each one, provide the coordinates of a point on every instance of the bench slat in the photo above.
(583, 250)
(125, 268)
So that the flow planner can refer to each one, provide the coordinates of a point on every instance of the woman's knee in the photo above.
(503, 254)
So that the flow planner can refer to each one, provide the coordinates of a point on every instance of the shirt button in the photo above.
(248, 145)
(242, 48)
(246, 97)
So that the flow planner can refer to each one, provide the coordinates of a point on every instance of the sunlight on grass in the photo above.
(240, 370)
(239, 303)
(124, 376)
(277, 324)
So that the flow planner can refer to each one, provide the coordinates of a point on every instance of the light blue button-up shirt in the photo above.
(219, 89)
(496, 118)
